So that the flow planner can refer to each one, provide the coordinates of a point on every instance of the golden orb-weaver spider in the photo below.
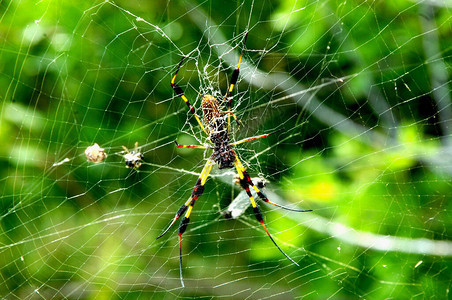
(223, 155)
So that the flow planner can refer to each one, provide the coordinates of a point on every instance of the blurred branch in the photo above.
(437, 69)
(441, 160)
(368, 240)
(437, 3)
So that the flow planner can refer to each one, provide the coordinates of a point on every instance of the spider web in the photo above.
(360, 89)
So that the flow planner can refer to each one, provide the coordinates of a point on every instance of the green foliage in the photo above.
(78, 73)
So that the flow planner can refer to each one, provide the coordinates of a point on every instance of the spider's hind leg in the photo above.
(265, 199)
(244, 182)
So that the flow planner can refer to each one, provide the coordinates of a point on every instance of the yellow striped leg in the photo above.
(244, 182)
(234, 78)
(179, 92)
(230, 113)
(188, 206)
(247, 181)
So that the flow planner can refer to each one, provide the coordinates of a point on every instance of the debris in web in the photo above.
(95, 153)
(240, 203)
(61, 162)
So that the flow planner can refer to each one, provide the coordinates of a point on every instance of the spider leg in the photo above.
(243, 175)
(247, 179)
(230, 113)
(234, 78)
(179, 92)
(190, 146)
(188, 207)
(255, 137)
(261, 195)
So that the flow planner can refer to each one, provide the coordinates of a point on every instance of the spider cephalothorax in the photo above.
(217, 130)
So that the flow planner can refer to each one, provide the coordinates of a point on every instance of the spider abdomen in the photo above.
(223, 155)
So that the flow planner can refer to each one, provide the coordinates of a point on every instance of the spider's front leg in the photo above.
(234, 78)
(188, 207)
(180, 93)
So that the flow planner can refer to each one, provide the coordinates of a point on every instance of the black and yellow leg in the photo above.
(234, 78)
(179, 92)
(247, 181)
(265, 199)
(230, 113)
(257, 213)
(255, 137)
(188, 207)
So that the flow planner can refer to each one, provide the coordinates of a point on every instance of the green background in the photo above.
(366, 144)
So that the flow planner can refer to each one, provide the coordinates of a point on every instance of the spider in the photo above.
(133, 158)
(223, 155)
